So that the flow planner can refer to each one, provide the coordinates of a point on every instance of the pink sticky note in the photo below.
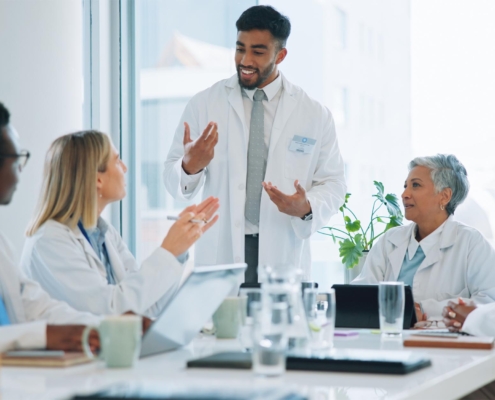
(346, 333)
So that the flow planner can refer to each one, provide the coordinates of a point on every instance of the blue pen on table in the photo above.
(196, 221)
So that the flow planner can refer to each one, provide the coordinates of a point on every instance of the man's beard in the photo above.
(262, 76)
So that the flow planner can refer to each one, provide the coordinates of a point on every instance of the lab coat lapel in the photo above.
(447, 239)
(237, 156)
(400, 239)
(431, 258)
(9, 283)
(11, 295)
(235, 101)
(88, 249)
(115, 260)
(285, 108)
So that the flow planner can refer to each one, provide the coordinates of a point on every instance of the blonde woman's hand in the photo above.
(208, 207)
(184, 233)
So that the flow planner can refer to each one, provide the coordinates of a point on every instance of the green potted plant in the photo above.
(356, 239)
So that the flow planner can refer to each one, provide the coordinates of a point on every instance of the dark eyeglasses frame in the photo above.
(23, 157)
(428, 324)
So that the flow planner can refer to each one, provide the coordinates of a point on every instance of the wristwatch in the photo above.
(308, 216)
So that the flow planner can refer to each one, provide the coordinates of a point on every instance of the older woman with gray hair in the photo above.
(440, 258)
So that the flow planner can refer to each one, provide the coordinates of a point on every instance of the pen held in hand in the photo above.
(196, 221)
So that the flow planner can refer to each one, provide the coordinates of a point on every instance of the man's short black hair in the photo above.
(4, 121)
(265, 18)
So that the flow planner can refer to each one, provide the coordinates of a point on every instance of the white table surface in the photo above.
(453, 373)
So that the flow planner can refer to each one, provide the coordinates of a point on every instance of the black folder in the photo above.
(357, 307)
(343, 361)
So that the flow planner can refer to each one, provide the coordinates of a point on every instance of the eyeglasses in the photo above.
(22, 157)
(427, 324)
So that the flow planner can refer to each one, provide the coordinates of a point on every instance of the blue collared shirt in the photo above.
(410, 265)
(416, 253)
(4, 316)
(96, 237)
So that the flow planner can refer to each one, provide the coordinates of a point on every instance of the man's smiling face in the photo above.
(256, 58)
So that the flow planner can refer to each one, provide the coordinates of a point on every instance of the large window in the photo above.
(402, 78)
(184, 47)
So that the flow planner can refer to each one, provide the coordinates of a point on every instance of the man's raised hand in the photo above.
(296, 205)
(198, 153)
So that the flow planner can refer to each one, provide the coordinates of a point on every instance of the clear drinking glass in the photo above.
(269, 337)
(391, 302)
(282, 283)
(320, 313)
(246, 299)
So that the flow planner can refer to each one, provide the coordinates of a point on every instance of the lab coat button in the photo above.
(241, 186)
(238, 259)
(237, 224)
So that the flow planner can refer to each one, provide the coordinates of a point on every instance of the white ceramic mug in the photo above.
(120, 340)
(227, 319)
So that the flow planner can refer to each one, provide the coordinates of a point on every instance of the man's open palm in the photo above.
(296, 205)
(198, 153)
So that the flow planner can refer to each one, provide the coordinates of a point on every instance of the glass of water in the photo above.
(320, 313)
(391, 302)
(246, 298)
(269, 337)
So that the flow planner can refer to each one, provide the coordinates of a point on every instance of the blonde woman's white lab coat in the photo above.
(283, 239)
(66, 266)
(462, 264)
(29, 307)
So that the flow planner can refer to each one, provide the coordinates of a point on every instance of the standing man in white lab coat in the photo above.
(265, 148)
(29, 318)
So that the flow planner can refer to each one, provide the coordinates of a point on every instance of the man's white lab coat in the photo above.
(283, 239)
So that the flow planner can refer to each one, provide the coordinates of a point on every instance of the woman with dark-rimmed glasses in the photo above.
(15, 159)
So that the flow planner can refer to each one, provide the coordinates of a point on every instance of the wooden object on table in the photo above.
(460, 342)
(67, 360)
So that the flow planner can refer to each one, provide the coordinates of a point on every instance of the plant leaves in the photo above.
(394, 221)
(379, 187)
(391, 201)
(351, 251)
(378, 219)
(352, 226)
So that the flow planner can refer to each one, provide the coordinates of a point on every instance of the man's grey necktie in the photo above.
(257, 153)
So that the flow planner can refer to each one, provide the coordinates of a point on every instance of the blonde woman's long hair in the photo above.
(69, 193)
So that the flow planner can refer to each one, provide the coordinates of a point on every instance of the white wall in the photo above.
(41, 83)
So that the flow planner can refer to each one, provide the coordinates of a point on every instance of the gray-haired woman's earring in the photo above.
(102, 196)
(441, 206)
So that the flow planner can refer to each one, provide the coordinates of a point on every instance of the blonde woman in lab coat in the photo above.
(78, 257)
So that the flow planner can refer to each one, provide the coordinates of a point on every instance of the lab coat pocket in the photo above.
(296, 163)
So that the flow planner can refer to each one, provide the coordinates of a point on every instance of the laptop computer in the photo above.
(195, 302)
(357, 307)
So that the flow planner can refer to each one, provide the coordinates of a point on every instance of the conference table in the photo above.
(453, 374)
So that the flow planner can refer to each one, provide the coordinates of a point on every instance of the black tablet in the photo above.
(341, 360)
(357, 307)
